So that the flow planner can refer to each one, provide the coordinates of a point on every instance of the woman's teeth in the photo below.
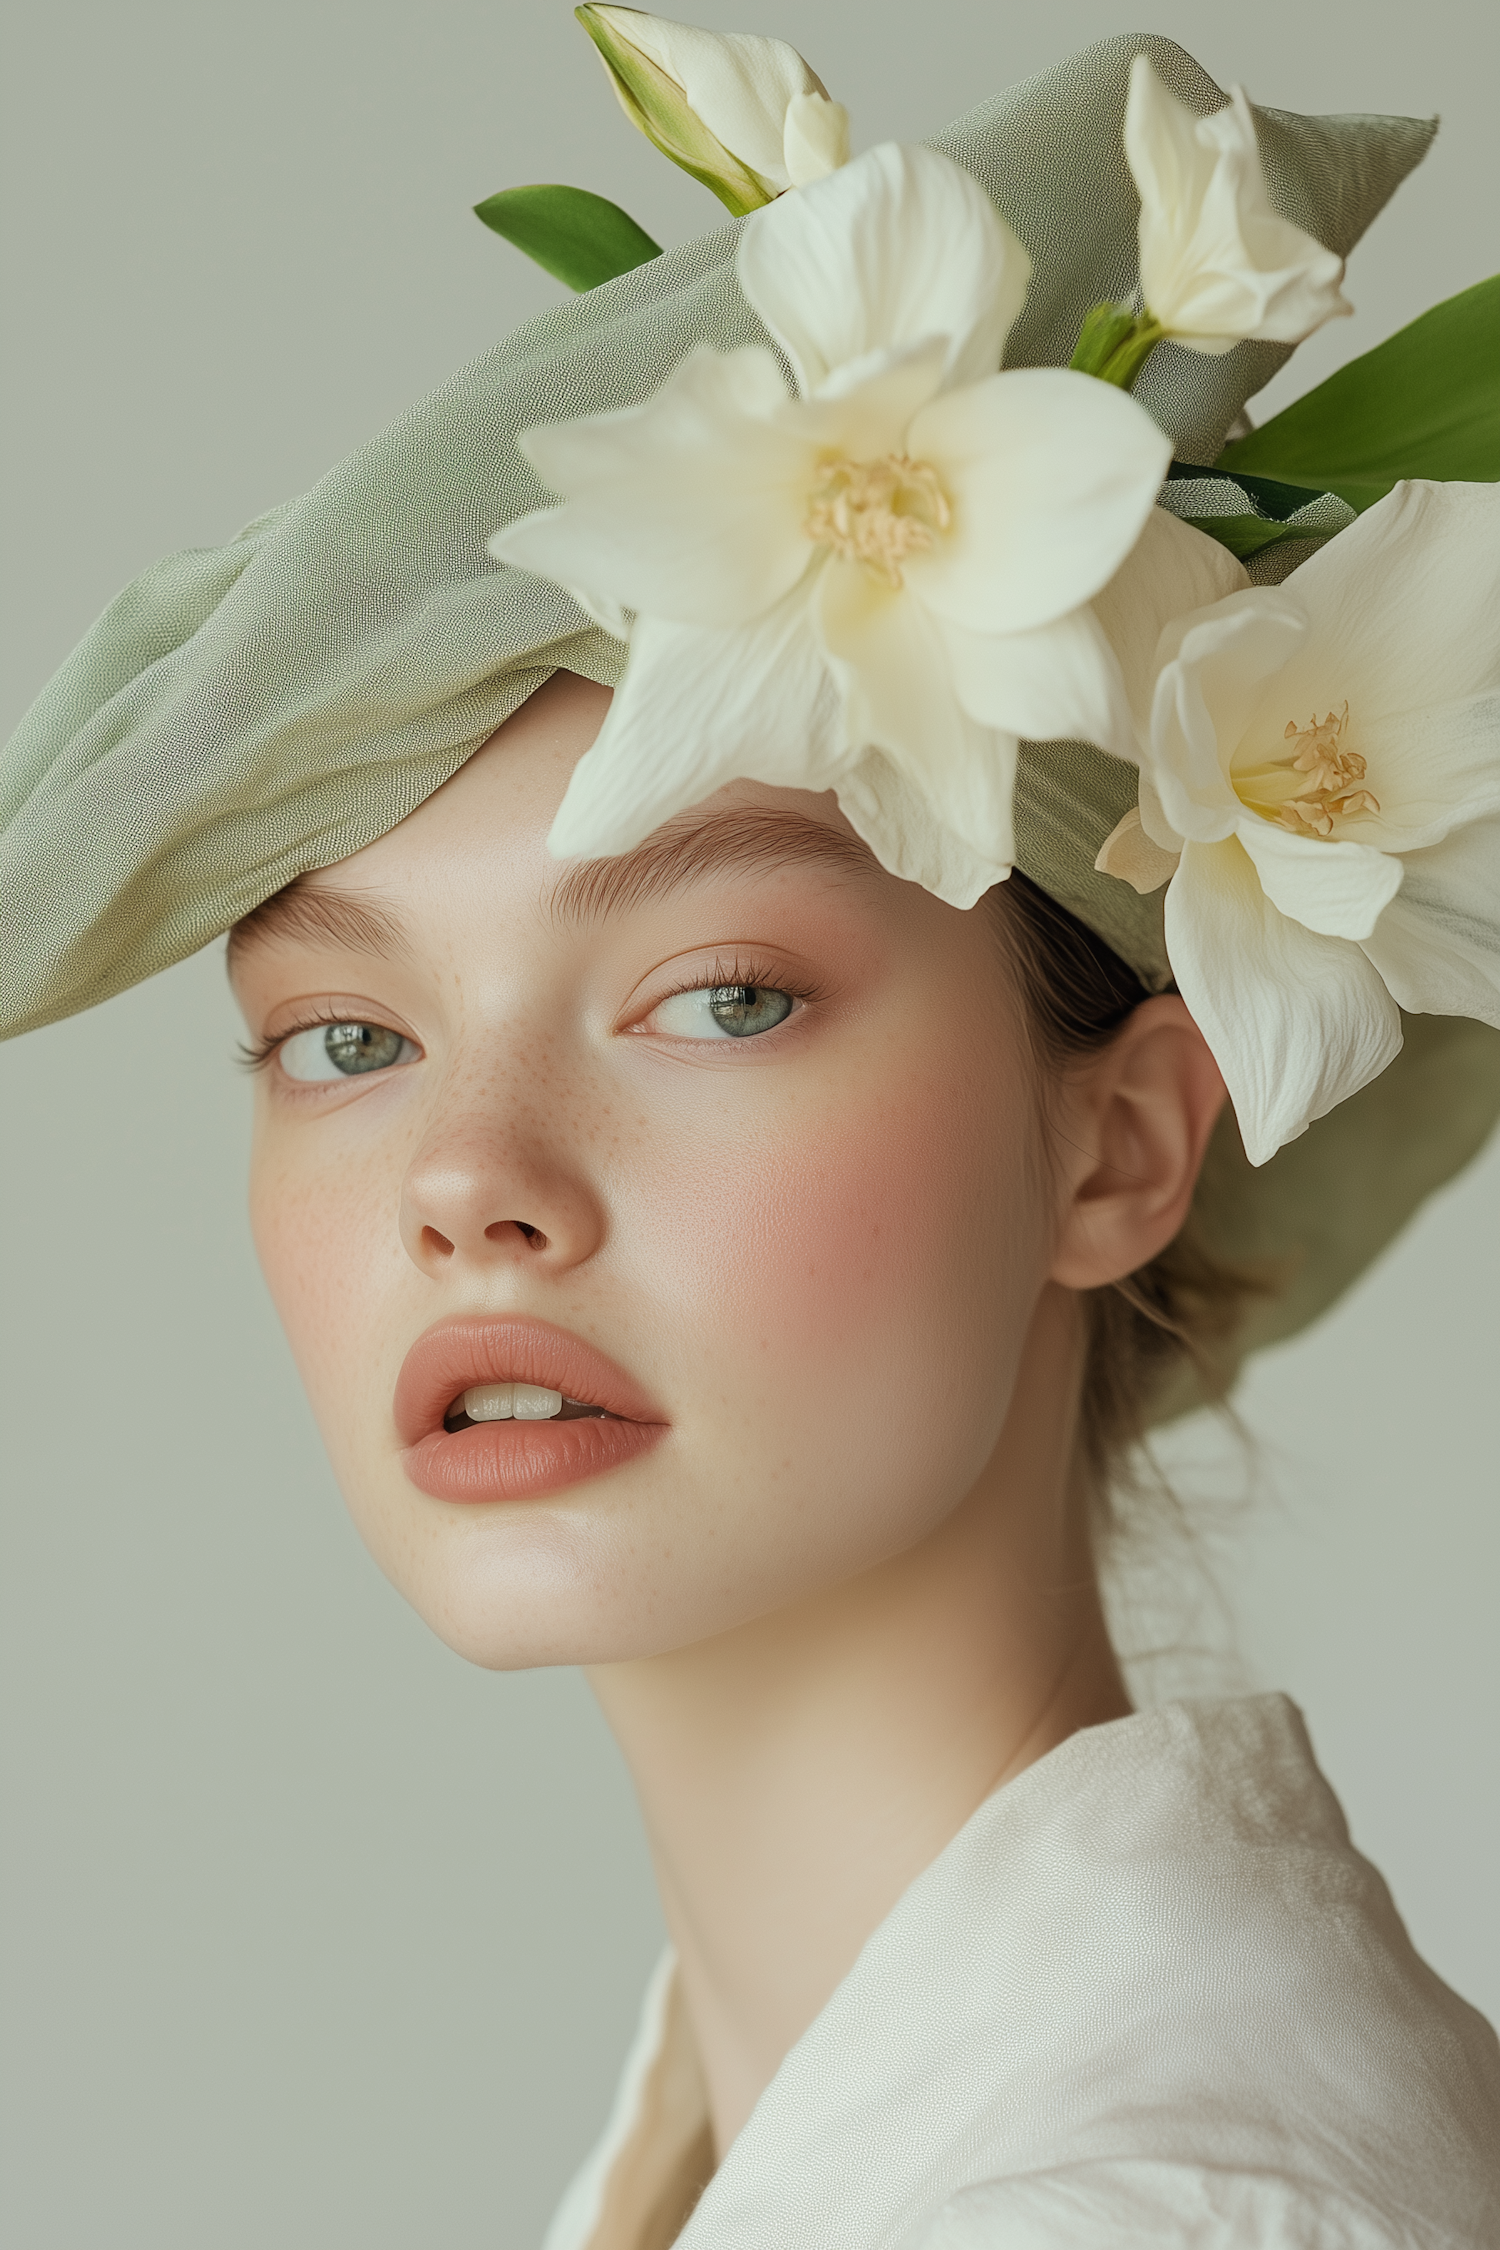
(497, 1402)
(522, 1402)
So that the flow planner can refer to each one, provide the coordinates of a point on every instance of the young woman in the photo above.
(728, 1152)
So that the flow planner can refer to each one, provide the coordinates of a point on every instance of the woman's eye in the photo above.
(343, 1050)
(723, 1011)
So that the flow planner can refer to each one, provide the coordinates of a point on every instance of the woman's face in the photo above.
(733, 1139)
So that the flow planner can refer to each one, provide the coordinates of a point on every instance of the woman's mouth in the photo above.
(512, 1409)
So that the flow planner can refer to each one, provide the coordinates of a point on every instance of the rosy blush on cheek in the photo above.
(816, 1252)
(856, 1284)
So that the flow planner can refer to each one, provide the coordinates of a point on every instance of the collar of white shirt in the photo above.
(1150, 1993)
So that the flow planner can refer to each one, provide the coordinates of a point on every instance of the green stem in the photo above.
(1127, 361)
(1114, 344)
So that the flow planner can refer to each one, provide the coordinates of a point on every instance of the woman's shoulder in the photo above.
(1133, 2204)
(1149, 1994)
(1151, 1982)
(1224, 2004)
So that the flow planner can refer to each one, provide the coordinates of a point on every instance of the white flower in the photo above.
(1218, 264)
(744, 115)
(1321, 783)
(875, 585)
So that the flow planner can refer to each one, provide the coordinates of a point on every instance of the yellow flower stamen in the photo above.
(877, 512)
(1317, 785)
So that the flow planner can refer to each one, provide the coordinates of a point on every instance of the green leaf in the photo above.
(580, 239)
(1267, 496)
(1426, 403)
(1243, 535)
(1245, 513)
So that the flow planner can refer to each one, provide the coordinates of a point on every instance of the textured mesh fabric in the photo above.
(241, 715)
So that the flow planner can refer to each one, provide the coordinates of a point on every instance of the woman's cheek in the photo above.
(325, 1238)
(868, 1254)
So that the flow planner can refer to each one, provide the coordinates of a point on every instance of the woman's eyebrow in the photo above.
(694, 845)
(302, 913)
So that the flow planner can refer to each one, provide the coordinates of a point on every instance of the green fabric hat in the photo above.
(240, 716)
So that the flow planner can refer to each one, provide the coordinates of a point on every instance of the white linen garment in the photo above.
(1149, 1995)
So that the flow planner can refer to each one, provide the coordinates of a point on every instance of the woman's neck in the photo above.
(798, 1773)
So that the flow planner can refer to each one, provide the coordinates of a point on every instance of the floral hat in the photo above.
(927, 483)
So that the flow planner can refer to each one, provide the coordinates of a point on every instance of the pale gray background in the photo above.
(315, 1936)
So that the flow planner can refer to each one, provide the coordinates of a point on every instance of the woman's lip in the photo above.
(524, 1460)
(457, 1354)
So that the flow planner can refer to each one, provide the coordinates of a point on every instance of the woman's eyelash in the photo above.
(253, 1055)
(751, 973)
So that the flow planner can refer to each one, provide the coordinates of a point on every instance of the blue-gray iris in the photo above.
(741, 1009)
(353, 1047)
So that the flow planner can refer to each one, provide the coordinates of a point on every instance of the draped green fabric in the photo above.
(242, 715)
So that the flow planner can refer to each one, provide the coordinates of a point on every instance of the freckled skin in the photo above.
(850, 1591)
(818, 1249)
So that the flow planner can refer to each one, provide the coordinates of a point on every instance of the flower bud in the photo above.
(1218, 264)
(745, 116)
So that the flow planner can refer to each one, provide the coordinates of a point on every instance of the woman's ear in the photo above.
(1131, 1130)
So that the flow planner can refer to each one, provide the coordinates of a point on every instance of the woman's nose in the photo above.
(491, 1190)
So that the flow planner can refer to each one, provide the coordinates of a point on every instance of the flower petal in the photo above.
(694, 711)
(1171, 571)
(910, 835)
(1436, 769)
(1218, 262)
(1400, 614)
(1276, 282)
(1154, 819)
(892, 668)
(1171, 168)
(1051, 476)
(1060, 683)
(1409, 595)
(1128, 853)
(1295, 1022)
(895, 675)
(815, 138)
(1437, 945)
(866, 409)
(898, 246)
(688, 507)
(739, 85)
(1338, 889)
(1217, 660)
